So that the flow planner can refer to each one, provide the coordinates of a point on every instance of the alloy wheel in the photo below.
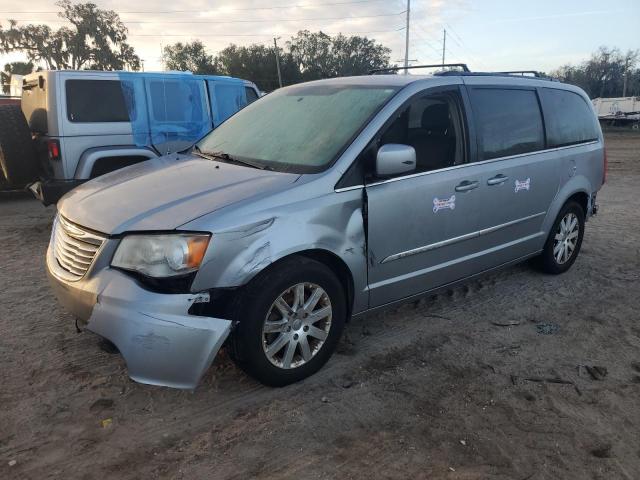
(566, 238)
(296, 325)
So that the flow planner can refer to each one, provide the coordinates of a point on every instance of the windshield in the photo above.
(299, 129)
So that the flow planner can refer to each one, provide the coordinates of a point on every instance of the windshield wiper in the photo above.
(231, 159)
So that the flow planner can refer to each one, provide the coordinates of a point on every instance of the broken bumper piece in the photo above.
(160, 342)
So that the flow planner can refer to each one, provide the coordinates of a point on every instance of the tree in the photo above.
(97, 39)
(319, 55)
(191, 57)
(14, 68)
(307, 56)
(603, 75)
(258, 64)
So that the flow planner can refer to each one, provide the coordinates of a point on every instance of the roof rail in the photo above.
(523, 73)
(519, 73)
(463, 66)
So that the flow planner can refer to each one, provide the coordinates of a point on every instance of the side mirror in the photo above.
(395, 158)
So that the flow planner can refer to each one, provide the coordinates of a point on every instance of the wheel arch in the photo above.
(338, 266)
(582, 198)
(328, 258)
(578, 189)
(92, 158)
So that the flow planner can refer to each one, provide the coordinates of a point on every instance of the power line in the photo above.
(274, 7)
(461, 45)
(269, 20)
(427, 43)
(430, 41)
(264, 20)
(258, 34)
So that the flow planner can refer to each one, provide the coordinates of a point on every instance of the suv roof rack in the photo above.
(515, 73)
(466, 72)
(524, 73)
(463, 66)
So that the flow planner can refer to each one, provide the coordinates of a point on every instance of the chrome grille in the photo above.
(74, 247)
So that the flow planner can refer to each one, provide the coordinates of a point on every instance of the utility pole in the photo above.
(444, 45)
(605, 67)
(406, 38)
(626, 74)
(275, 47)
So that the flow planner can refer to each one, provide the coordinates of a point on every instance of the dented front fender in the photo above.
(243, 245)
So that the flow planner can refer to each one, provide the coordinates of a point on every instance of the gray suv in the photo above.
(320, 202)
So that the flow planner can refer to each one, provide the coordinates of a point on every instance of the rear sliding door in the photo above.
(520, 175)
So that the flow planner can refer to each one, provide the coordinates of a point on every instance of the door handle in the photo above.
(497, 180)
(467, 185)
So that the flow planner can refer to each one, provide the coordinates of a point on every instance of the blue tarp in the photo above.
(170, 111)
(227, 96)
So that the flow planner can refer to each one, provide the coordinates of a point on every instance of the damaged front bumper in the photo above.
(160, 342)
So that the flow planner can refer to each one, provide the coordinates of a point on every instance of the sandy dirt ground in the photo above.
(429, 390)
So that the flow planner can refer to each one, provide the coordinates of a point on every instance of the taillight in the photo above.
(54, 149)
(605, 168)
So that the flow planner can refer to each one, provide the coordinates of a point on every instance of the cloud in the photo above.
(511, 41)
(152, 25)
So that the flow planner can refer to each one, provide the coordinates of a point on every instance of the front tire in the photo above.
(563, 244)
(290, 319)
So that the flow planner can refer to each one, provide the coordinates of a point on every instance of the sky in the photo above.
(485, 34)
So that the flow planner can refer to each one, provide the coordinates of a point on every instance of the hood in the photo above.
(164, 193)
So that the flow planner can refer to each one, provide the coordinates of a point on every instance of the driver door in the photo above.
(421, 225)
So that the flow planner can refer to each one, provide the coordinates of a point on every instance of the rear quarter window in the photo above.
(509, 122)
(568, 117)
(95, 101)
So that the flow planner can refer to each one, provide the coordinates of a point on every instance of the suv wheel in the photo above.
(564, 242)
(289, 321)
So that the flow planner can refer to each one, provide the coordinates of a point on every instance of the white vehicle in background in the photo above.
(73, 126)
(620, 110)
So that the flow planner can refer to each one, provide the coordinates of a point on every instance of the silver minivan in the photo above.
(320, 202)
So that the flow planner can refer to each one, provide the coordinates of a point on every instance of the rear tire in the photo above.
(17, 153)
(281, 344)
(565, 239)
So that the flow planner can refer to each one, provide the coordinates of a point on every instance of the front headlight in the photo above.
(161, 256)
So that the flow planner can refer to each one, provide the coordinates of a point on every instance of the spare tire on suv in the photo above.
(17, 153)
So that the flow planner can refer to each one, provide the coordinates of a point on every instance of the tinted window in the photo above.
(90, 101)
(509, 122)
(568, 117)
(252, 96)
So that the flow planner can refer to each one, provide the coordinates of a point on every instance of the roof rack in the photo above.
(463, 66)
(466, 72)
(523, 73)
(518, 73)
